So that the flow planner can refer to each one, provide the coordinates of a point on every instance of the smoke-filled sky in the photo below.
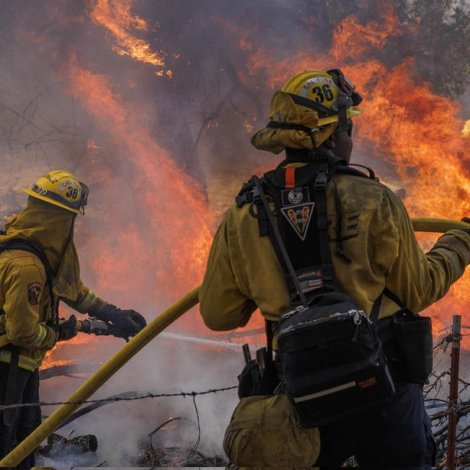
(152, 103)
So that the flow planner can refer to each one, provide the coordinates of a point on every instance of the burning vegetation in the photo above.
(153, 105)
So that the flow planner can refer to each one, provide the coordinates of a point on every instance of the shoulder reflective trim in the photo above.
(42, 333)
(87, 302)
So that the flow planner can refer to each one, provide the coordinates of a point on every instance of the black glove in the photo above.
(67, 329)
(127, 322)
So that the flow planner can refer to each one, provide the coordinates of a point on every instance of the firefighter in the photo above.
(39, 267)
(373, 250)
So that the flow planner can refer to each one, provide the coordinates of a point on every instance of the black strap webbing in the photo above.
(285, 125)
(374, 313)
(323, 111)
(319, 186)
(32, 247)
(342, 112)
(259, 198)
(388, 293)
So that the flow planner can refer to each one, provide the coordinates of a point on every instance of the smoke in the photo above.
(163, 367)
(153, 104)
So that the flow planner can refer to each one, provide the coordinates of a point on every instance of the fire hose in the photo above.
(130, 349)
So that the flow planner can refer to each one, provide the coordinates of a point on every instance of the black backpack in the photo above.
(331, 359)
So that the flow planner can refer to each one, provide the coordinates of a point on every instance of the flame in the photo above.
(466, 129)
(354, 39)
(48, 362)
(166, 257)
(64, 352)
(116, 17)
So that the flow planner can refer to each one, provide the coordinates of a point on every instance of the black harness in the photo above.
(299, 197)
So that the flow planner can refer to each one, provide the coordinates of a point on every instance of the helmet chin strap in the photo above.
(344, 102)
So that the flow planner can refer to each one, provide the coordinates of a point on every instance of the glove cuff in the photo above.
(96, 306)
(106, 312)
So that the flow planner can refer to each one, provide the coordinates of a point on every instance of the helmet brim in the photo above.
(30, 192)
(350, 113)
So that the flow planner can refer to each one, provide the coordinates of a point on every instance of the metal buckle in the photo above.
(321, 179)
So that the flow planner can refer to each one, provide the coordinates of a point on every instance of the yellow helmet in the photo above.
(61, 188)
(329, 94)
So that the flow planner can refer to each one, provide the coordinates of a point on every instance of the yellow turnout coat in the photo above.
(243, 271)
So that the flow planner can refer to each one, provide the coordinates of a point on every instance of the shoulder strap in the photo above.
(322, 176)
(388, 293)
(319, 186)
(32, 247)
(259, 197)
(374, 313)
(350, 169)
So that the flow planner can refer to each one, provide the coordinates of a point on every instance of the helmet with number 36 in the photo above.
(61, 188)
(328, 93)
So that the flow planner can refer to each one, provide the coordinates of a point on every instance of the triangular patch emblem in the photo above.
(299, 217)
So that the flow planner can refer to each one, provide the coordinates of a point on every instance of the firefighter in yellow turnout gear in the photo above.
(373, 250)
(39, 267)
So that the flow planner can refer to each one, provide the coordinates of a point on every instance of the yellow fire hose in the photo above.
(437, 225)
(108, 369)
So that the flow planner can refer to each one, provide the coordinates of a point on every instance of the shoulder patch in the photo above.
(34, 289)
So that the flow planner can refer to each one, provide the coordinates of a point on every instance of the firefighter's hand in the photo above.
(129, 323)
(126, 322)
(67, 329)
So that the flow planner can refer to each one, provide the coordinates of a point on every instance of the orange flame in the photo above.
(353, 39)
(116, 17)
(466, 129)
(169, 258)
